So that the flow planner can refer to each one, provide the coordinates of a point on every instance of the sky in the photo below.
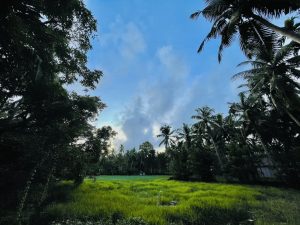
(153, 74)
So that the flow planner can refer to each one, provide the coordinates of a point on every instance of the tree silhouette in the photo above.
(167, 136)
(274, 74)
(207, 124)
(247, 19)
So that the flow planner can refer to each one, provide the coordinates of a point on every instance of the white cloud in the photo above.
(132, 41)
(155, 129)
(120, 137)
(127, 38)
(172, 61)
(146, 130)
(158, 100)
(169, 98)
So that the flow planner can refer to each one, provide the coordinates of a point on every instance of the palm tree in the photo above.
(167, 135)
(207, 123)
(249, 114)
(246, 18)
(253, 122)
(186, 134)
(274, 74)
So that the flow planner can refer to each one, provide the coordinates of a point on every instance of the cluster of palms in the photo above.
(263, 128)
(201, 151)
(251, 144)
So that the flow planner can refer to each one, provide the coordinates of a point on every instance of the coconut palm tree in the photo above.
(167, 136)
(247, 19)
(186, 134)
(207, 123)
(274, 73)
(249, 114)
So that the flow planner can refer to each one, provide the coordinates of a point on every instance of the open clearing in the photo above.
(158, 200)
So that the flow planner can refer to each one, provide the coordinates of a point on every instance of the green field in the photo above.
(158, 200)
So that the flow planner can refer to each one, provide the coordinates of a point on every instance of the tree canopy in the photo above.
(43, 48)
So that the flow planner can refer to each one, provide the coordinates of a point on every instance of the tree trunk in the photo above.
(217, 152)
(45, 191)
(285, 110)
(215, 147)
(26, 191)
(280, 30)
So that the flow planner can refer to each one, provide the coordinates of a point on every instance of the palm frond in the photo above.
(242, 85)
(295, 61)
(216, 29)
(257, 85)
(227, 33)
(283, 53)
(246, 73)
(254, 63)
(214, 9)
(162, 142)
(195, 15)
(274, 8)
(295, 72)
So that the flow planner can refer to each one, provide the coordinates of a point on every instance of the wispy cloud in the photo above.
(171, 98)
(156, 99)
(132, 42)
(174, 64)
(127, 36)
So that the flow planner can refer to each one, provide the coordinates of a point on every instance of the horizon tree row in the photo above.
(144, 161)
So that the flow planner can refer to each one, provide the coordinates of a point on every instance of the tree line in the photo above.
(142, 161)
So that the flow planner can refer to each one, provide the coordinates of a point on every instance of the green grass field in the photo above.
(158, 200)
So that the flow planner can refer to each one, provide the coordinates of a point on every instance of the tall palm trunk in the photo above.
(216, 148)
(263, 144)
(217, 153)
(284, 32)
(274, 102)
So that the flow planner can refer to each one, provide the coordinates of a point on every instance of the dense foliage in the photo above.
(45, 130)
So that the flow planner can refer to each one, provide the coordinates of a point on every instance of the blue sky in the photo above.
(153, 74)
